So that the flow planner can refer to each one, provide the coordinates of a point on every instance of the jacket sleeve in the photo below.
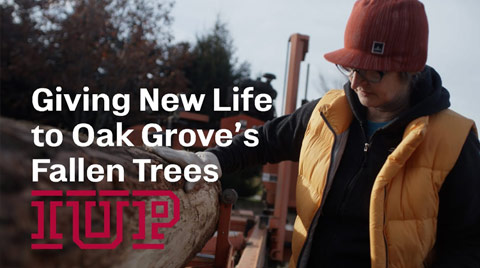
(279, 139)
(458, 232)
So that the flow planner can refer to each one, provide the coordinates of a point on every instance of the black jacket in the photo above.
(340, 235)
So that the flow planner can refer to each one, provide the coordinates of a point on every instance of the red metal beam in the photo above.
(287, 170)
(224, 249)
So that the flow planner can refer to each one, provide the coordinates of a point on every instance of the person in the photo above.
(388, 175)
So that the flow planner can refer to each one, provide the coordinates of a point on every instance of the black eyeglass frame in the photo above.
(362, 73)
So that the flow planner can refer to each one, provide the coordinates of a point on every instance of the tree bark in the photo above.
(18, 218)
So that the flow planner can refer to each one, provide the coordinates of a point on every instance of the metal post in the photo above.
(299, 47)
(223, 248)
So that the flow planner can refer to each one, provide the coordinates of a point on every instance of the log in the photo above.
(19, 218)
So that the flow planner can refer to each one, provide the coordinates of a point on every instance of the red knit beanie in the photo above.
(385, 35)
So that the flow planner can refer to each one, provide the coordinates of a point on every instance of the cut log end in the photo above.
(198, 209)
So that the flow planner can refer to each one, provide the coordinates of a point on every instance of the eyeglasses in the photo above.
(370, 76)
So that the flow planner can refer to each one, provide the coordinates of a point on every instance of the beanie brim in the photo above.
(355, 58)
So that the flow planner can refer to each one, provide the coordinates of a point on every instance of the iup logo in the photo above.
(81, 202)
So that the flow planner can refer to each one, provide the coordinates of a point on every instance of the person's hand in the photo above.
(184, 158)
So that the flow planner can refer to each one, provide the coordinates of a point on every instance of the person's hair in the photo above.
(413, 79)
(409, 77)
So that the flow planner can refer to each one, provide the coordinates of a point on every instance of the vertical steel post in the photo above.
(287, 169)
(223, 248)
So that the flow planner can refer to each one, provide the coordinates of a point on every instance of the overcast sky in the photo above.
(261, 29)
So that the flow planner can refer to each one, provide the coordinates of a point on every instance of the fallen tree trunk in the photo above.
(19, 229)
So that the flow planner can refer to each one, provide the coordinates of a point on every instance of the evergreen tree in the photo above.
(215, 66)
(112, 46)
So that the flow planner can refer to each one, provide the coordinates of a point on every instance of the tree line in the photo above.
(112, 46)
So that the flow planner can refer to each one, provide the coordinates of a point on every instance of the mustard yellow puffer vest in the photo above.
(404, 200)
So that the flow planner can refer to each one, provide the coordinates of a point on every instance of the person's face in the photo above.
(390, 94)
